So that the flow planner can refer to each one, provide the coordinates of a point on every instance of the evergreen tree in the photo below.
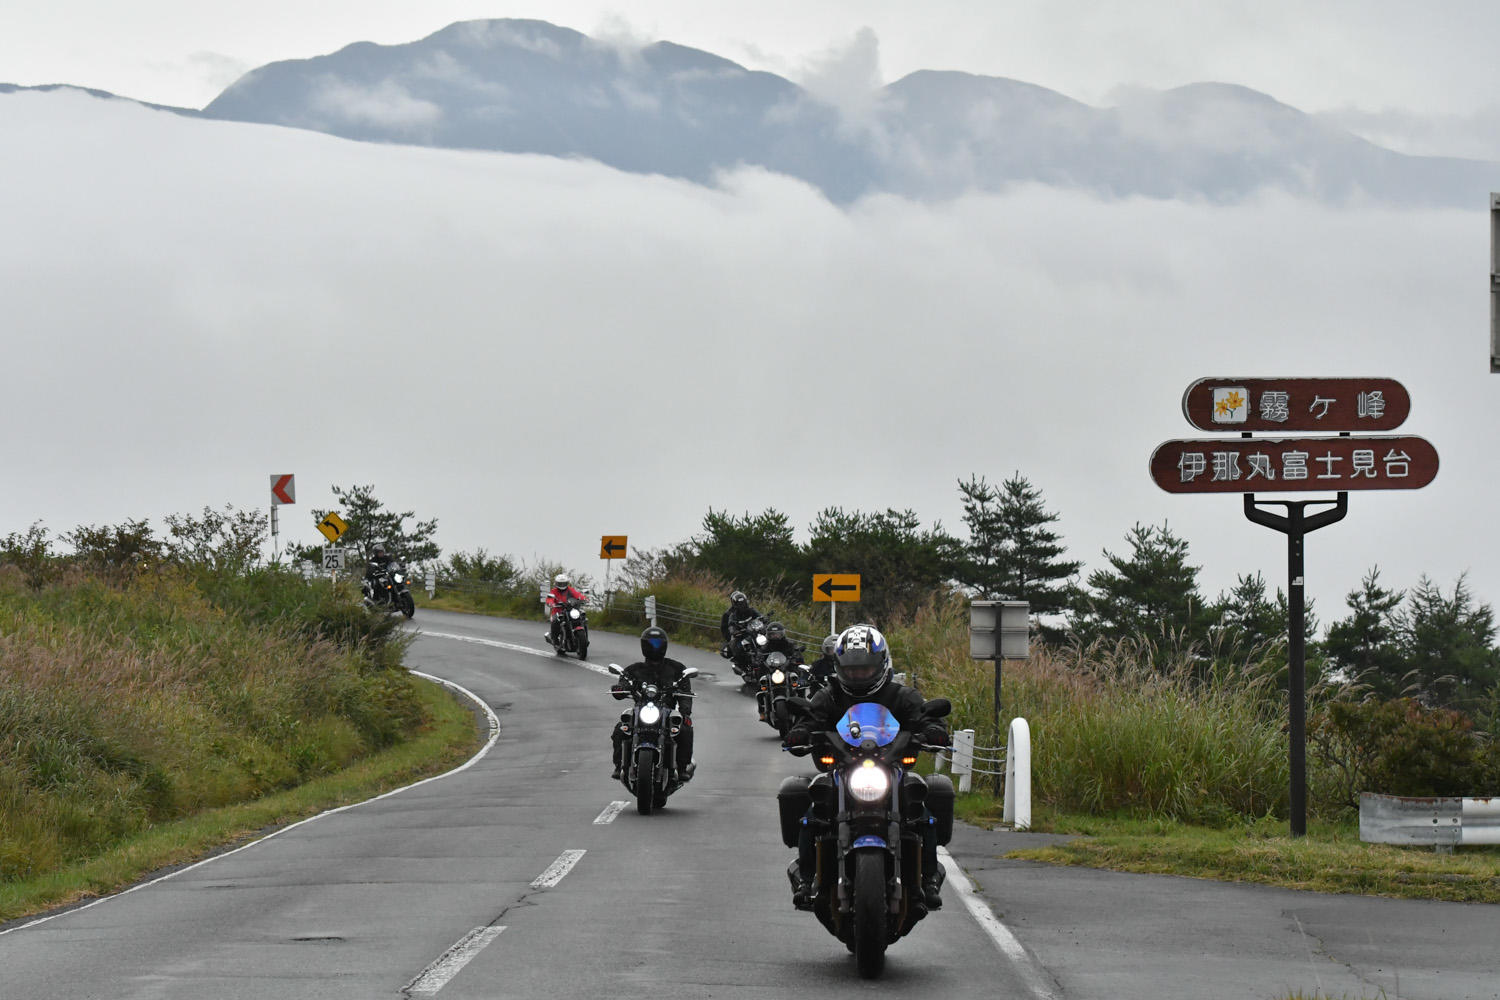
(1152, 594)
(371, 524)
(755, 553)
(900, 564)
(1364, 647)
(1448, 642)
(1012, 553)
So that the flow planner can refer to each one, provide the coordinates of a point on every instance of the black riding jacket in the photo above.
(830, 704)
(661, 673)
(735, 618)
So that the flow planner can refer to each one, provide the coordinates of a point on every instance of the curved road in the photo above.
(519, 875)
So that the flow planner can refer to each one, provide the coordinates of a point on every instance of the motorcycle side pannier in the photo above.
(940, 796)
(792, 800)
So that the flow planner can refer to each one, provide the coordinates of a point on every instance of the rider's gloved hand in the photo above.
(935, 735)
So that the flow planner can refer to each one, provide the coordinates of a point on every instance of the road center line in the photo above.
(610, 812)
(557, 869)
(1027, 967)
(448, 964)
(514, 647)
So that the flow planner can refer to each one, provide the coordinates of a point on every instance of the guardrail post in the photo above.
(963, 758)
(651, 610)
(1018, 775)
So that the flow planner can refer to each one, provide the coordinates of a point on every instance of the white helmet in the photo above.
(560, 581)
(864, 660)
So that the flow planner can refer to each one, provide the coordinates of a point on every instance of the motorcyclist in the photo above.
(778, 642)
(863, 674)
(378, 565)
(822, 668)
(557, 601)
(734, 618)
(656, 668)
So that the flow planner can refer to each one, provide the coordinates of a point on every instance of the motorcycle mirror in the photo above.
(937, 708)
(615, 668)
(690, 672)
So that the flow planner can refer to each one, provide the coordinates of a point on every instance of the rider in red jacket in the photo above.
(557, 601)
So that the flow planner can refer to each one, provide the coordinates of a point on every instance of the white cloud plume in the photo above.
(213, 302)
(387, 104)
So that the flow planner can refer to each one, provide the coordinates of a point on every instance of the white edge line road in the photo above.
(1027, 967)
(494, 736)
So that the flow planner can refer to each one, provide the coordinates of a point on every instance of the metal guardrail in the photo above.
(1443, 822)
(1011, 762)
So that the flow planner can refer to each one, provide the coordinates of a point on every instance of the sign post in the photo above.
(283, 490)
(1341, 406)
(611, 547)
(999, 631)
(1494, 282)
(830, 588)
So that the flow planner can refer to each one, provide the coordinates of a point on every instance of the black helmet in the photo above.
(775, 630)
(654, 644)
(830, 643)
(864, 660)
(379, 550)
(739, 601)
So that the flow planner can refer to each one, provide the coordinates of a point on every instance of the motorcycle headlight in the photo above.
(777, 677)
(650, 715)
(573, 613)
(760, 640)
(398, 577)
(869, 783)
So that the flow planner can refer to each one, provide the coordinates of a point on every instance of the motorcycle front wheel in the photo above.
(645, 781)
(583, 644)
(408, 606)
(869, 913)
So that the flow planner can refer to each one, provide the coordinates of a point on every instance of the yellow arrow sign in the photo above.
(333, 527)
(840, 587)
(612, 547)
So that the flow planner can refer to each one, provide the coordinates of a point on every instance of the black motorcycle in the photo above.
(746, 650)
(780, 681)
(570, 630)
(390, 589)
(866, 805)
(653, 725)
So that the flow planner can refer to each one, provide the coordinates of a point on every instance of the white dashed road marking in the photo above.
(610, 812)
(448, 964)
(557, 869)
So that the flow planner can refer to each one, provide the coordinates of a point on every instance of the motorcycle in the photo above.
(570, 629)
(390, 589)
(781, 681)
(866, 806)
(653, 726)
(746, 650)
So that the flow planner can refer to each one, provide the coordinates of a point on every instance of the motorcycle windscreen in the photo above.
(868, 721)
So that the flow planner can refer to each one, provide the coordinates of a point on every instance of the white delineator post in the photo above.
(1018, 775)
(963, 758)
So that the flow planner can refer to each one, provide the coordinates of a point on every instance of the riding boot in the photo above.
(801, 887)
(932, 886)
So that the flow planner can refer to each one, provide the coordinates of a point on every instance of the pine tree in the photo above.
(1152, 595)
(1448, 643)
(1012, 553)
(1364, 646)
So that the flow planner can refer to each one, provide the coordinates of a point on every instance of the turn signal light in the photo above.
(826, 761)
(908, 761)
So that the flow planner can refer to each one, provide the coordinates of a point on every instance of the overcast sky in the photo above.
(538, 352)
(1373, 56)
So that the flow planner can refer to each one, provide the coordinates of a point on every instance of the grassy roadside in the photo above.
(450, 736)
(1330, 858)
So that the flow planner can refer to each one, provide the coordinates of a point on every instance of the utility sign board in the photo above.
(842, 588)
(612, 546)
(333, 527)
(283, 490)
(334, 558)
(1294, 465)
(1282, 405)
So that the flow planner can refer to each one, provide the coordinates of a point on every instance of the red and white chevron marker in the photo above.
(283, 490)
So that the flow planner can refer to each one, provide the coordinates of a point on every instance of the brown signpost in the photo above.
(1344, 460)
(1301, 465)
(1282, 405)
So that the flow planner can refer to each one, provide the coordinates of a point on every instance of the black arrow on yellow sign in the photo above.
(828, 586)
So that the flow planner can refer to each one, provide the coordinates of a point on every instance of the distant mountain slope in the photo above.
(527, 86)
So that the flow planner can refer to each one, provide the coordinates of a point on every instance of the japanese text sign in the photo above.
(1280, 405)
(1283, 465)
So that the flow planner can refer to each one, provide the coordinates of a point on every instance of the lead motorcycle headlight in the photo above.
(650, 715)
(869, 783)
(573, 613)
(760, 640)
(398, 577)
(777, 677)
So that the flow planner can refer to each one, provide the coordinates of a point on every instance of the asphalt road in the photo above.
(520, 875)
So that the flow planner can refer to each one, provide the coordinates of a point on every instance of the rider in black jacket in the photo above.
(777, 642)
(824, 666)
(656, 668)
(738, 614)
(863, 674)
